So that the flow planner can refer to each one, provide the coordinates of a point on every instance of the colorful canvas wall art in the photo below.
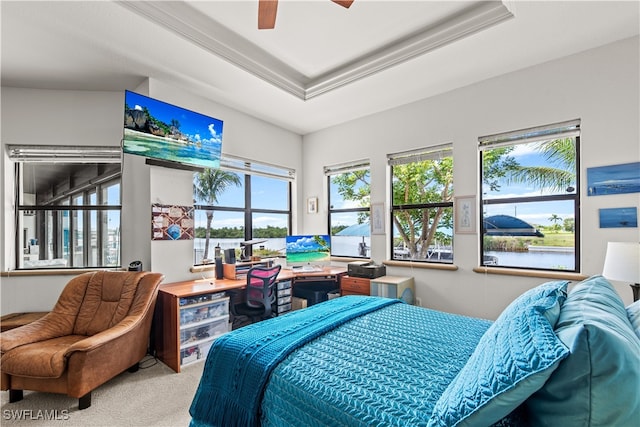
(170, 222)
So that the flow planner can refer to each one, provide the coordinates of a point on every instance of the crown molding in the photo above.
(187, 22)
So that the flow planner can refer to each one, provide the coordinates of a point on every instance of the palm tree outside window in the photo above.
(530, 178)
(208, 186)
(241, 201)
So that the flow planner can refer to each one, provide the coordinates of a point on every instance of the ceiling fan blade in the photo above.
(343, 3)
(267, 14)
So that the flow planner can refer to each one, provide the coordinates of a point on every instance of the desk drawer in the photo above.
(284, 292)
(286, 284)
(354, 285)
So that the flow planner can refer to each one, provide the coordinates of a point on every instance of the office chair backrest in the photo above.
(260, 284)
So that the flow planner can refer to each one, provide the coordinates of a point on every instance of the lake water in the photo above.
(539, 259)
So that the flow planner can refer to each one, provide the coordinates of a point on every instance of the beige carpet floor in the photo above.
(153, 396)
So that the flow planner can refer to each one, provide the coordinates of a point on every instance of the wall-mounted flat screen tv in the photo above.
(309, 250)
(171, 134)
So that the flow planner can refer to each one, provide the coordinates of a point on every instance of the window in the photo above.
(242, 201)
(349, 202)
(68, 206)
(530, 199)
(422, 204)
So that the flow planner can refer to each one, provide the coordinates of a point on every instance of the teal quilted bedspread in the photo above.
(239, 363)
(387, 368)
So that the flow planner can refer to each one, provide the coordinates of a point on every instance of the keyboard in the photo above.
(306, 269)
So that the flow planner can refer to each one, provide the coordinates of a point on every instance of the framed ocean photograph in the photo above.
(614, 179)
(619, 217)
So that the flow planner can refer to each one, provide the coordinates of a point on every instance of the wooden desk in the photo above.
(190, 288)
(288, 273)
(178, 301)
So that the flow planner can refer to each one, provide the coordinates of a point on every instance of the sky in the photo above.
(266, 193)
(533, 213)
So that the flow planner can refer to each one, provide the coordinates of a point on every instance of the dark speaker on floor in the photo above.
(219, 271)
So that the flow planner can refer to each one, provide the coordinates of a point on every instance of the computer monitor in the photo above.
(309, 251)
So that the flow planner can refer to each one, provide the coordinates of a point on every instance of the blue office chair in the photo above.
(260, 295)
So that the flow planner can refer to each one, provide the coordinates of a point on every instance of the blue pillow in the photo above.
(599, 383)
(512, 360)
(633, 313)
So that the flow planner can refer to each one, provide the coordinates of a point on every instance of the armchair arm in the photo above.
(96, 359)
(51, 325)
(125, 326)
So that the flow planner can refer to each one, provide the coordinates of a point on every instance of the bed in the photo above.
(367, 361)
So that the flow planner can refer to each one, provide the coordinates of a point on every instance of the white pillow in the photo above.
(633, 313)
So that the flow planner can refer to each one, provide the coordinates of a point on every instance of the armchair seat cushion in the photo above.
(45, 359)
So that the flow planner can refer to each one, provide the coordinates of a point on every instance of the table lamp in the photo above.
(622, 263)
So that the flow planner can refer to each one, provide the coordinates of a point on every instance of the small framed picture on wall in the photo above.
(464, 214)
(312, 205)
(377, 218)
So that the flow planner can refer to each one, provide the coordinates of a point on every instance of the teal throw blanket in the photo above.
(239, 363)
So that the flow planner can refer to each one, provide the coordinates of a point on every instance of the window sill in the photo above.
(425, 265)
(531, 273)
(54, 271)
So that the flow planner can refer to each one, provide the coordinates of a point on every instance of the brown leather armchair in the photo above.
(99, 328)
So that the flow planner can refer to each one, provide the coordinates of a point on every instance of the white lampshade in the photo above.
(622, 262)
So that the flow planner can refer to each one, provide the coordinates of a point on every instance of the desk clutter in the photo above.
(239, 270)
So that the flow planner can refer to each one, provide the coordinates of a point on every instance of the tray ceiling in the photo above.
(322, 64)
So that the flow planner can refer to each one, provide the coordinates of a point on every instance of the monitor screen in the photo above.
(312, 250)
(171, 134)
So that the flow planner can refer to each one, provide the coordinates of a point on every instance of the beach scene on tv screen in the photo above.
(158, 130)
(308, 249)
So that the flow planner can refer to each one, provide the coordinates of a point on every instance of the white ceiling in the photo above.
(322, 65)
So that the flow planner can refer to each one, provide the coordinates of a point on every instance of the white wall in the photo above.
(32, 116)
(599, 86)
